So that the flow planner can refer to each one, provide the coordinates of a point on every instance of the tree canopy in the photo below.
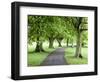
(49, 28)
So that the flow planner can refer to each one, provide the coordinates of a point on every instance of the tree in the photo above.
(51, 30)
(70, 31)
(80, 24)
(36, 31)
(61, 30)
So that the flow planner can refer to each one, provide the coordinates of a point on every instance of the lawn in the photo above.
(36, 58)
(69, 56)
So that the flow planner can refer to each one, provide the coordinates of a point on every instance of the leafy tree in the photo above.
(50, 30)
(61, 29)
(70, 31)
(36, 31)
(80, 24)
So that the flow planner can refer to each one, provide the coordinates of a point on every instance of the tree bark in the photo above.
(59, 42)
(67, 42)
(51, 40)
(39, 47)
(78, 47)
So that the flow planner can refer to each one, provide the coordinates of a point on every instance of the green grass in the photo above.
(69, 56)
(36, 58)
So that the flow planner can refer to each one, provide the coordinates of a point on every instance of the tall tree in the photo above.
(80, 24)
(55, 29)
(61, 30)
(36, 31)
(50, 30)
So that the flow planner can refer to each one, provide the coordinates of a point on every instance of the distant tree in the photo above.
(61, 30)
(70, 31)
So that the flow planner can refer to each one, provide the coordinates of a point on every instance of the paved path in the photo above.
(55, 58)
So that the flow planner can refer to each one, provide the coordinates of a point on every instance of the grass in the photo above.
(36, 58)
(69, 56)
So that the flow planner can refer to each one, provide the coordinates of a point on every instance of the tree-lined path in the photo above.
(55, 58)
(45, 33)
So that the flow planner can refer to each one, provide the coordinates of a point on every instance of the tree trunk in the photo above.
(78, 47)
(72, 44)
(51, 40)
(39, 47)
(67, 42)
(59, 42)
